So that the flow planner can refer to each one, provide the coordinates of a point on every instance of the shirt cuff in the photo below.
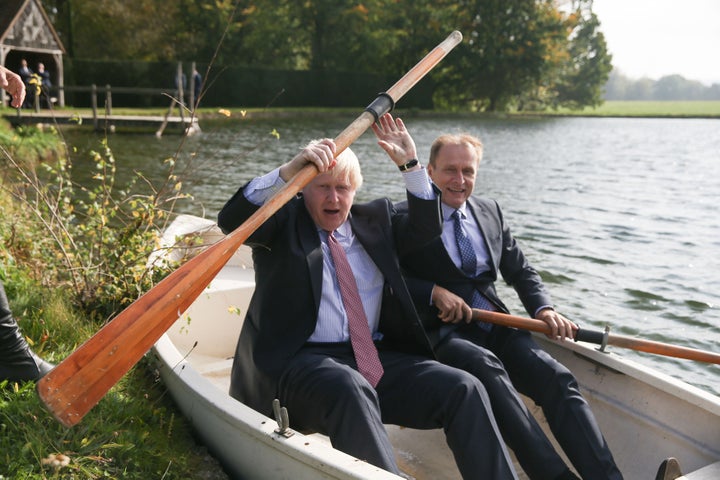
(543, 308)
(260, 189)
(418, 183)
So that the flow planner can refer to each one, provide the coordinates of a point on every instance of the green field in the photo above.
(649, 109)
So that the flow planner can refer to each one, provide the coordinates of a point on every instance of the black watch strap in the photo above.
(408, 165)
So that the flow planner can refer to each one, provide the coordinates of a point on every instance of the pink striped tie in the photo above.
(366, 355)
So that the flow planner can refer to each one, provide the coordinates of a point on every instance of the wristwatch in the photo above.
(408, 165)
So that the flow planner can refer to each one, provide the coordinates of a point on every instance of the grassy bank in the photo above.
(135, 432)
(678, 109)
(670, 109)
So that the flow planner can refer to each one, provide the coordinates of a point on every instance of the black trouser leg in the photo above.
(18, 362)
(553, 387)
(520, 430)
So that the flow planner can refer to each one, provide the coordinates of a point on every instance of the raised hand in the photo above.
(394, 138)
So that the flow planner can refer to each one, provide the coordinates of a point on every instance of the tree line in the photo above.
(516, 54)
(669, 87)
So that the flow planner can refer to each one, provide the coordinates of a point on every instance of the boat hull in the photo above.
(645, 415)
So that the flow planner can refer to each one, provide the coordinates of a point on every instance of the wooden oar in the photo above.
(600, 338)
(78, 383)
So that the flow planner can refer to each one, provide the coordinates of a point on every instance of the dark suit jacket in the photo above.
(288, 273)
(433, 265)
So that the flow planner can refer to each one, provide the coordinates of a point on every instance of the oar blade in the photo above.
(78, 383)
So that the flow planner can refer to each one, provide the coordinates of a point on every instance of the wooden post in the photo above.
(181, 104)
(108, 100)
(93, 101)
(191, 93)
(108, 108)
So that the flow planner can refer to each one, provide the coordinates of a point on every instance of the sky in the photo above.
(654, 38)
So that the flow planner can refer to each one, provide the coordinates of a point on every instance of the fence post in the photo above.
(93, 102)
(108, 100)
(191, 93)
(181, 93)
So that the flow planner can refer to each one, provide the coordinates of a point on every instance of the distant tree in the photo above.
(670, 87)
(202, 29)
(127, 30)
(641, 89)
(677, 87)
(505, 52)
(587, 68)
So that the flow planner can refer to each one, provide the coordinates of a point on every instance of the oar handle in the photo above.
(600, 338)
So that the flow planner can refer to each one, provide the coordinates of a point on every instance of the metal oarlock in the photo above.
(282, 419)
(604, 342)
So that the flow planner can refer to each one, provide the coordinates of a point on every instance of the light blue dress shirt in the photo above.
(332, 322)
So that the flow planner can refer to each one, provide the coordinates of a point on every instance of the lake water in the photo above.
(619, 216)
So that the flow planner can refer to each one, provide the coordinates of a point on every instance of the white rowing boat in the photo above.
(646, 416)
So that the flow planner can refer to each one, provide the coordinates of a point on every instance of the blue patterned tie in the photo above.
(468, 262)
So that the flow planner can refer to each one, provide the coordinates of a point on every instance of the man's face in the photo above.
(454, 173)
(328, 200)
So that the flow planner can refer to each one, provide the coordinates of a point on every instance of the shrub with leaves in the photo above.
(96, 238)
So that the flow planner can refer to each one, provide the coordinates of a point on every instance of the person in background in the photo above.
(460, 266)
(24, 71)
(299, 341)
(45, 83)
(197, 86)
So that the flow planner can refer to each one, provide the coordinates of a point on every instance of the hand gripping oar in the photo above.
(78, 383)
(600, 338)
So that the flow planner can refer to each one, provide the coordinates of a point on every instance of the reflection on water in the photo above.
(618, 215)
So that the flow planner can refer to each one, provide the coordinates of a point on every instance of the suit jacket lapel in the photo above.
(483, 218)
(375, 243)
(310, 244)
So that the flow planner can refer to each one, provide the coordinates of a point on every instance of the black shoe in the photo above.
(18, 363)
(669, 469)
(24, 367)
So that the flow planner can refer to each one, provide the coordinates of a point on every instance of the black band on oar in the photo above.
(383, 104)
(591, 336)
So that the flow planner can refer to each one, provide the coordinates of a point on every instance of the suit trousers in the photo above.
(324, 392)
(521, 431)
(537, 375)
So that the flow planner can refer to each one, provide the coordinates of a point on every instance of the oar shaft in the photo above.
(74, 386)
(622, 341)
(660, 348)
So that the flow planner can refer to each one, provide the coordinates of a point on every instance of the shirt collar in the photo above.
(448, 211)
(343, 231)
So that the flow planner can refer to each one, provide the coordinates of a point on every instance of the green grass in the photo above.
(701, 109)
(695, 109)
(135, 431)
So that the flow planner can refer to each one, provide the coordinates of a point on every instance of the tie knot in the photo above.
(456, 215)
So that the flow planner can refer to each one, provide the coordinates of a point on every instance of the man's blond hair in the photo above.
(466, 139)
